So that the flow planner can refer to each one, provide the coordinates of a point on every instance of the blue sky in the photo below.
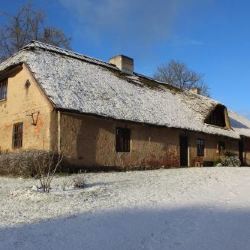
(210, 36)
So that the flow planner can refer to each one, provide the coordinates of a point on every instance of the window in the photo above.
(3, 90)
(122, 140)
(200, 147)
(221, 147)
(17, 139)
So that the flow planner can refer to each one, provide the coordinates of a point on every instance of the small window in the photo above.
(3, 90)
(122, 140)
(17, 139)
(200, 147)
(221, 147)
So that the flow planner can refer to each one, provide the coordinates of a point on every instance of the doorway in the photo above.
(183, 151)
(241, 151)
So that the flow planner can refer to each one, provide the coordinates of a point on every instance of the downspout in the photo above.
(59, 132)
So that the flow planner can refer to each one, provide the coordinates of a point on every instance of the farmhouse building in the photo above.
(104, 115)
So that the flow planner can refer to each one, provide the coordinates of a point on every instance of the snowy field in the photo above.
(197, 208)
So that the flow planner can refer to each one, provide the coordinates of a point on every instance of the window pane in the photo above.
(200, 147)
(17, 135)
(122, 140)
(3, 90)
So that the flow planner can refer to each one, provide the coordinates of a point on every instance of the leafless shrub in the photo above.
(79, 181)
(64, 185)
(40, 164)
(17, 163)
(46, 165)
(29, 163)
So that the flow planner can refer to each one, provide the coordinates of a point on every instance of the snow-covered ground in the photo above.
(197, 208)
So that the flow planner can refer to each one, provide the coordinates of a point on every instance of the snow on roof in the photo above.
(240, 124)
(83, 84)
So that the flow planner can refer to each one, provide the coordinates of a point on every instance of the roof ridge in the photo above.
(66, 52)
(76, 55)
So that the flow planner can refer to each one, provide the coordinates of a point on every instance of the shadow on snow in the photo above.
(183, 228)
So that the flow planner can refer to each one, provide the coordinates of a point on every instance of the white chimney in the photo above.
(124, 63)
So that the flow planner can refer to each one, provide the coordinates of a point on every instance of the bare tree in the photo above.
(26, 25)
(179, 75)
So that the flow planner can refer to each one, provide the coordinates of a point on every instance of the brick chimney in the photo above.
(124, 63)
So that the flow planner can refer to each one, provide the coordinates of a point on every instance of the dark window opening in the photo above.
(3, 90)
(183, 151)
(200, 147)
(241, 151)
(122, 140)
(221, 147)
(217, 117)
(17, 135)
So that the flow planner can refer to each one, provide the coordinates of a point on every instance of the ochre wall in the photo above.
(18, 106)
(211, 152)
(90, 142)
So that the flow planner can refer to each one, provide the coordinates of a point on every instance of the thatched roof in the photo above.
(83, 84)
(240, 124)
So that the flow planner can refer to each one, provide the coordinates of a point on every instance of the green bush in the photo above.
(229, 160)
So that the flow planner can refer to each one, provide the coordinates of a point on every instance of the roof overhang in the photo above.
(11, 70)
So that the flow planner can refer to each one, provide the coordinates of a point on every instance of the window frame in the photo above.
(200, 147)
(3, 89)
(123, 140)
(17, 135)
